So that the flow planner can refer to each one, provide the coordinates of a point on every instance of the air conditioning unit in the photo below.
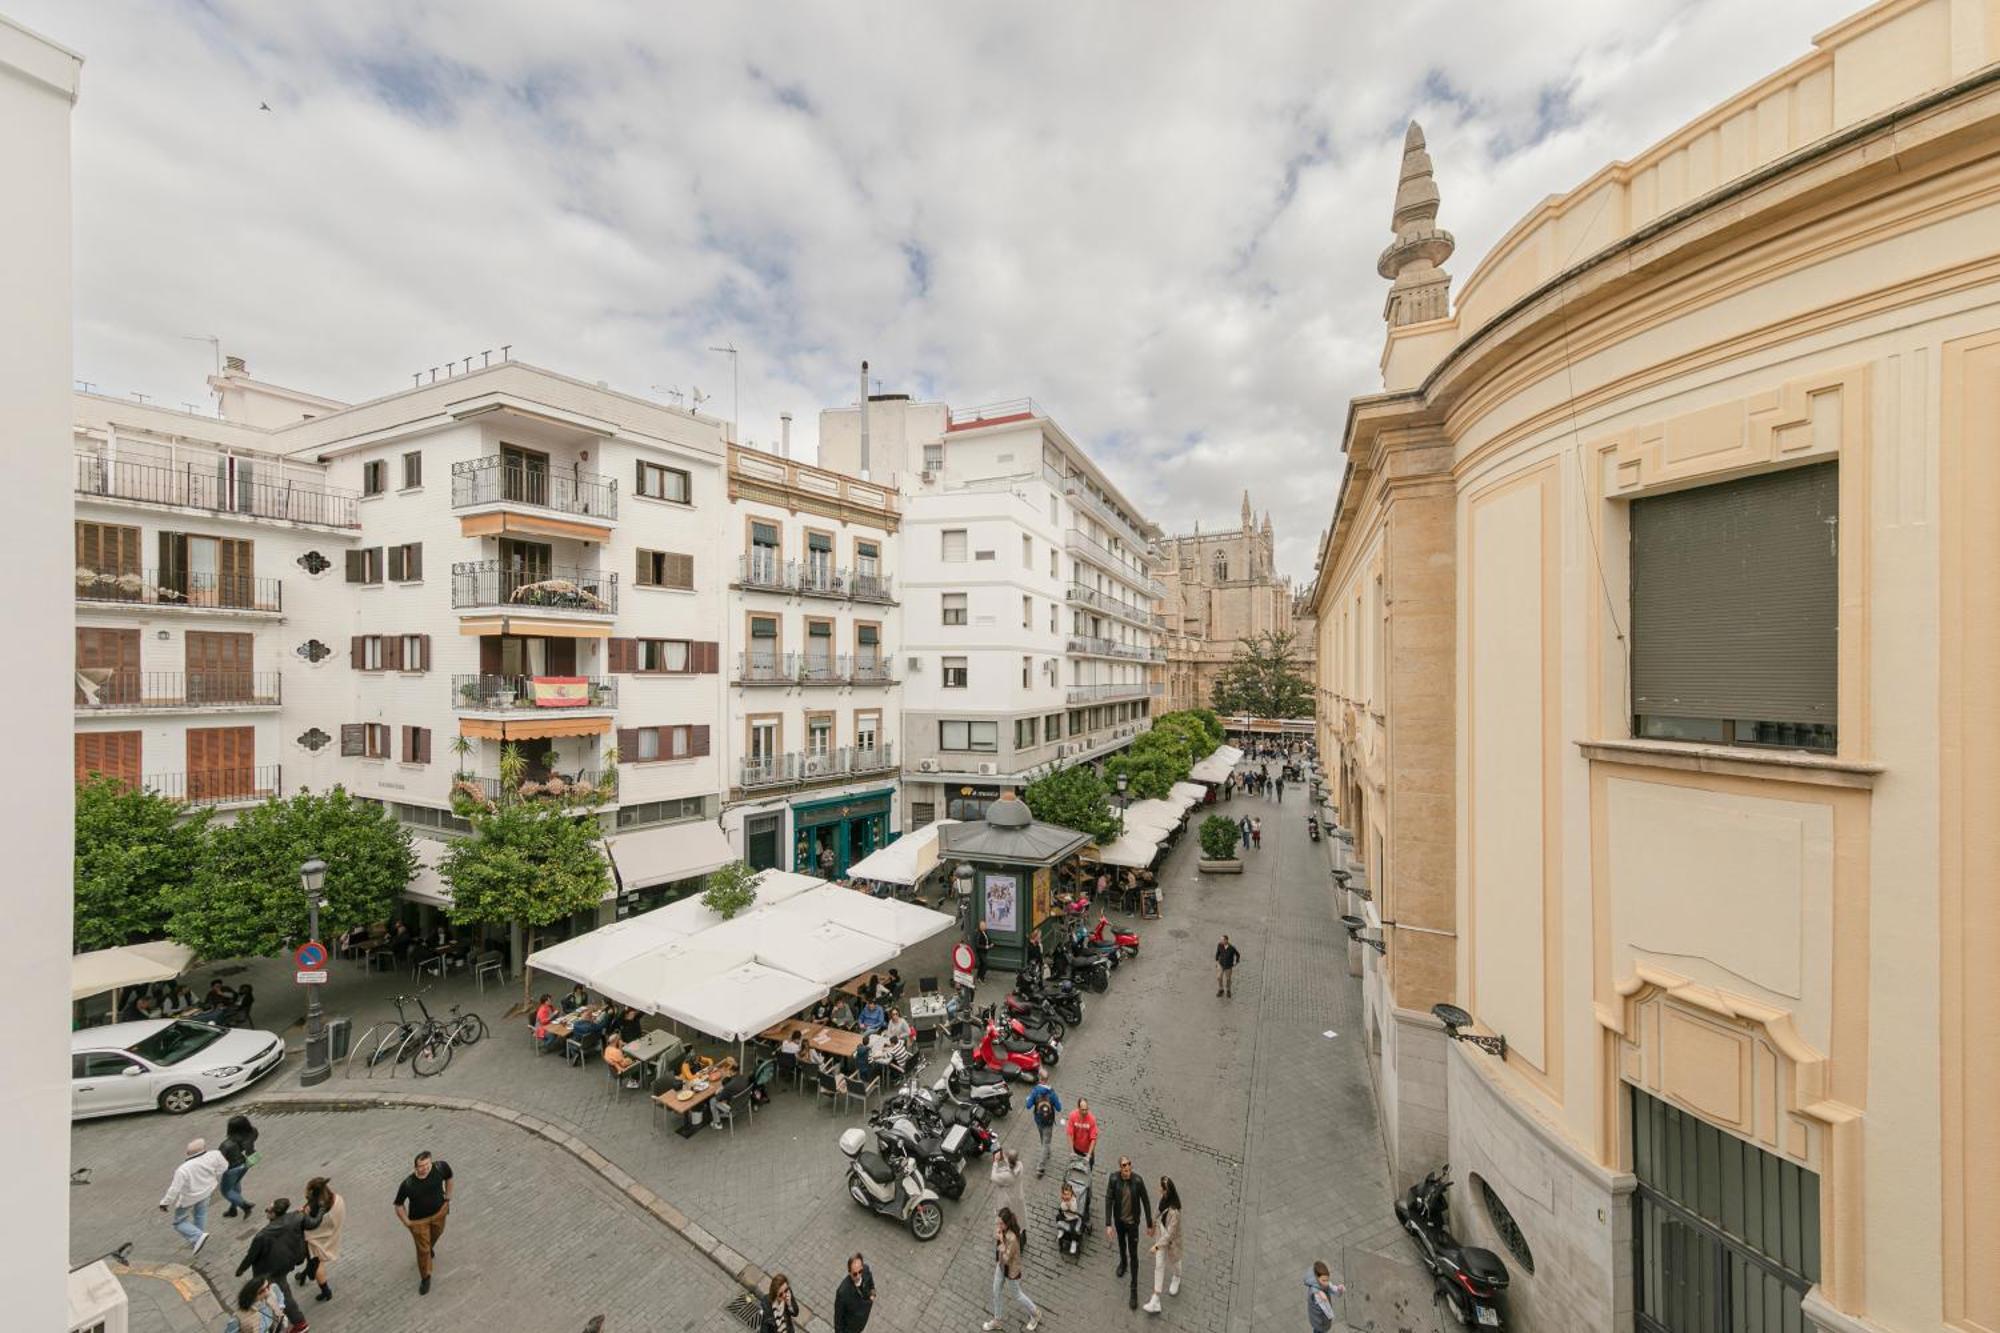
(914, 663)
(926, 765)
(817, 765)
(988, 770)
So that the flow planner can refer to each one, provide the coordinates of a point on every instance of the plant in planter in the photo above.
(731, 889)
(1218, 846)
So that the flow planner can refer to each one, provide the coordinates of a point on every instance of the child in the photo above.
(1069, 1222)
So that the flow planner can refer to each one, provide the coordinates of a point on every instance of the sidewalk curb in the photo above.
(738, 1269)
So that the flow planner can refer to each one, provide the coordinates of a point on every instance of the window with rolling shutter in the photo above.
(953, 545)
(1735, 611)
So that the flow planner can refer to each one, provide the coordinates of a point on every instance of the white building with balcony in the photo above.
(812, 629)
(1030, 637)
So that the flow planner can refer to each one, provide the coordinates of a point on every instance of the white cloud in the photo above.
(1160, 220)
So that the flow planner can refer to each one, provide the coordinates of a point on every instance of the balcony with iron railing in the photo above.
(772, 668)
(822, 668)
(762, 572)
(218, 484)
(502, 482)
(108, 690)
(533, 694)
(182, 589)
(1079, 493)
(806, 766)
(555, 784)
(1114, 563)
(218, 786)
(1091, 646)
(478, 584)
(873, 671)
(1129, 612)
(1104, 693)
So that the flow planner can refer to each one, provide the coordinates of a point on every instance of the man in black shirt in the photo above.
(855, 1300)
(1126, 1204)
(1226, 959)
(422, 1202)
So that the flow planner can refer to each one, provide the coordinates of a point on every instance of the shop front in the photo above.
(829, 836)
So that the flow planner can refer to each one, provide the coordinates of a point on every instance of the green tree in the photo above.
(730, 889)
(133, 848)
(1075, 798)
(1264, 679)
(1218, 837)
(244, 898)
(527, 863)
(1152, 764)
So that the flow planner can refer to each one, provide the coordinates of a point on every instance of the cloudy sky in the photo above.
(1158, 219)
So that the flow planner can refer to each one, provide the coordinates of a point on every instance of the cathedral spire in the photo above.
(1248, 522)
(1421, 290)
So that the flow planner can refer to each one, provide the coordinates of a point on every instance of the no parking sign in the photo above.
(311, 958)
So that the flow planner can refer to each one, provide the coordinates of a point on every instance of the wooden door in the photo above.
(115, 754)
(234, 573)
(218, 667)
(561, 656)
(107, 667)
(524, 474)
(221, 763)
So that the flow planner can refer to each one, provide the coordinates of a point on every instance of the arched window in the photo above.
(1221, 567)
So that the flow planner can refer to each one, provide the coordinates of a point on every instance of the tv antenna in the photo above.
(699, 398)
(735, 392)
(679, 398)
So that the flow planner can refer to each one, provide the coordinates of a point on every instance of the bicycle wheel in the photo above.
(471, 1027)
(433, 1055)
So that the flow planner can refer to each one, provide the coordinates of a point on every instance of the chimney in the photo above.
(864, 421)
(784, 434)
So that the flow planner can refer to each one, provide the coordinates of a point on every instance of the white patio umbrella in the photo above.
(822, 952)
(591, 954)
(901, 924)
(739, 1003)
(647, 980)
(690, 917)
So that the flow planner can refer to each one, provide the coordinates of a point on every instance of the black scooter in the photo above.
(1467, 1278)
(1312, 826)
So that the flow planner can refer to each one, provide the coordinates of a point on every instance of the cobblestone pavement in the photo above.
(1267, 1125)
(536, 1242)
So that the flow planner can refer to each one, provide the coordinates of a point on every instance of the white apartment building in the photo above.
(812, 628)
(385, 595)
(1030, 636)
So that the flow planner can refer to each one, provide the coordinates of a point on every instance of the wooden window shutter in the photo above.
(423, 745)
(353, 739)
(666, 735)
(392, 652)
(396, 563)
(424, 651)
(680, 570)
(357, 651)
(643, 574)
(710, 656)
(409, 744)
(357, 566)
(620, 652)
(628, 744)
(698, 738)
(413, 564)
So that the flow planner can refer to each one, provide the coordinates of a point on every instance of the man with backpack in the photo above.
(1043, 1108)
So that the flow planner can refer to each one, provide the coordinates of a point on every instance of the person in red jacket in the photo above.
(1083, 1130)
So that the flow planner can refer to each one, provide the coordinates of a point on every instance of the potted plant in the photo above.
(1218, 847)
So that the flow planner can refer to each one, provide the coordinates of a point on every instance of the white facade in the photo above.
(38, 87)
(1030, 637)
(813, 626)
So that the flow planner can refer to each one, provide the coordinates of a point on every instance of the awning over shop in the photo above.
(1211, 769)
(663, 855)
(1136, 849)
(904, 861)
(126, 966)
(536, 626)
(899, 923)
(1162, 815)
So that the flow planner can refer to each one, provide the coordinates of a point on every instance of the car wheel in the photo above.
(180, 1099)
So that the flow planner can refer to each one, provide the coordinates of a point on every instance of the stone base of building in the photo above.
(1574, 1215)
(1414, 1096)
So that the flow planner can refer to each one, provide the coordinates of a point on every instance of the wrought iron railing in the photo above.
(219, 484)
(1090, 694)
(532, 694)
(217, 786)
(183, 588)
(498, 480)
(800, 766)
(110, 690)
(476, 583)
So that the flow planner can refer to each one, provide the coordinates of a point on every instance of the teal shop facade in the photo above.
(850, 826)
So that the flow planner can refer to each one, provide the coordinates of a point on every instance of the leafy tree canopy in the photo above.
(245, 898)
(1218, 837)
(1075, 798)
(731, 889)
(527, 863)
(133, 849)
(1264, 679)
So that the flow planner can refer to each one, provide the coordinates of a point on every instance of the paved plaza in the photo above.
(1266, 1123)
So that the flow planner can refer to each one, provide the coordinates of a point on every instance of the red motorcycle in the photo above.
(1127, 941)
(1007, 1054)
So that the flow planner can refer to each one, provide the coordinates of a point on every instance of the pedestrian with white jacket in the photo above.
(1166, 1246)
(188, 1193)
(1008, 1173)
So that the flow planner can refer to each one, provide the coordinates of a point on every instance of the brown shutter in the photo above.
(698, 740)
(423, 745)
(356, 652)
(628, 744)
(621, 653)
(679, 571)
(353, 738)
(424, 648)
(409, 744)
(235, 561)
(639, 479)
(489, 655)
(392, 652)
(357, 566)
(396, 563)
(643, 575)
(708, 655)
(413, 564)
(666, 735)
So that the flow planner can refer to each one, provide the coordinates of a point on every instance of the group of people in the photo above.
(173, 999)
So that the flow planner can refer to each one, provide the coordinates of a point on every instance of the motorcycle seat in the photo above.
(875, 1167)
(1483, 1266)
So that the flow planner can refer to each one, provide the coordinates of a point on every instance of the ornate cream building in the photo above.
(1652, 625)
(1222, 588)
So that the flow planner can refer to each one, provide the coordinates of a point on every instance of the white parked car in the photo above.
(172, 1064)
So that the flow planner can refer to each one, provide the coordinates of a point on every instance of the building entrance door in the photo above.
(1725, 1235)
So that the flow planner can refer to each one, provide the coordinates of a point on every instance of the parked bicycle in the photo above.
(425, 1044)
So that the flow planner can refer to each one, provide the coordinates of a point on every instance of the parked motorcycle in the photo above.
(1081, 942)
(892, 1190)
(1123, 937)
(998, 1053)
(1033, 1013)
(1061, 998)
(1045, 1042)
(1089, 968)
(1466, 1277)
(937, 1157)
(983, 1087)
(937, 1112)
(1312, 826)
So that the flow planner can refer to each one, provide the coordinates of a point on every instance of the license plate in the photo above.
(1489, 1316)
(954, 1137)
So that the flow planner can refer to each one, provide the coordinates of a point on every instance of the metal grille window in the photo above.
(1725, 1235)
(1735, 611)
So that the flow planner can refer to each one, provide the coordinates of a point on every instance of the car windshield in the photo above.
(175, 1042)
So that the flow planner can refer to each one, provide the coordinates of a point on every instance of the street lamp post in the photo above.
(1124, 782)
(312, 877)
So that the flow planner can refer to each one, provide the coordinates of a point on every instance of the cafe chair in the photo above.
(491, 964)
(859, 1089)
(723, 1105)
(831, 1086)
(579, 1051)
(787, 1064)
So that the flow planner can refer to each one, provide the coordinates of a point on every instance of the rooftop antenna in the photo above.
(680, 399)
(699, 398)
(735, 401)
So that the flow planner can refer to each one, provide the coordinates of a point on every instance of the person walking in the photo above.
(1243, 826)
(855, 1300)
(1008, 1175)
(240, 1148)
(276, 1250)
(1125, 1205)
(1226, 958)
(1083, 1131)
(323, 1241)
(778, 1309)
(1007, 1271)
(188, 1192)
(258, 1309)
(1257, 833)
(1167, 1249)
(1043, 1108)
(423, 1202)
(1279, 787)
(1320, 1291)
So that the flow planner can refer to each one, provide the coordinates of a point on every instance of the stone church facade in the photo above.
(1221, 588)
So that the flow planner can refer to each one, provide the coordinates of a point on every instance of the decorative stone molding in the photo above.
(1804, 419)
(1422, 290)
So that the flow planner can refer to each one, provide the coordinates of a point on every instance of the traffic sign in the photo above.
(310, 955)
(962, 963)
(307, 978)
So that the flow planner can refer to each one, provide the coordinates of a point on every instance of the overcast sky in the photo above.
(1160, 220)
